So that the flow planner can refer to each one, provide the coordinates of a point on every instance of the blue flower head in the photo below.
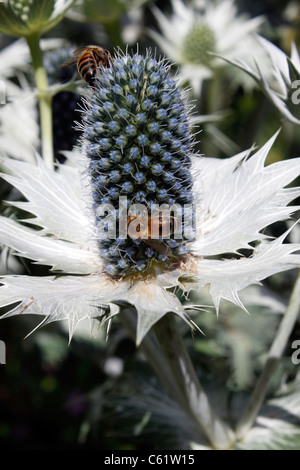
(137, 140)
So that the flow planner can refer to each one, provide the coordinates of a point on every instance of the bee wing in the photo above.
(78, 51)
(76, 54)
(158, 245)
(70, 61)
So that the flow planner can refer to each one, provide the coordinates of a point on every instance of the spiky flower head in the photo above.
(137, 140)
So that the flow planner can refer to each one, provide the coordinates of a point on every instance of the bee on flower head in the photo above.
(155, 225)
(88, 59)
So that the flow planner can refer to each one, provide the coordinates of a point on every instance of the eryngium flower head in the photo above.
(235, 200)
(137, 140)
(195, 32)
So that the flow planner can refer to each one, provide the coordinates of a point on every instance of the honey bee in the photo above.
(158, 224)
(88, 59)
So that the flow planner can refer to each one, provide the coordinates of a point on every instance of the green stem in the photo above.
(213, 100)
(275, 353)
(151, 351)
(196, 403)
(166, 354)
(44, 98)
(214, 93)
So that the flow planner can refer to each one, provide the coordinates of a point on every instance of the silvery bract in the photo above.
(283, 85)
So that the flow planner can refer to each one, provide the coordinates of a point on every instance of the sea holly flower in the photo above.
(124, 157)
(26, 17)
(283, 86)
(193, 34)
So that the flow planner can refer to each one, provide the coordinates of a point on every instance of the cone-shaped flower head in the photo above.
(137, 140)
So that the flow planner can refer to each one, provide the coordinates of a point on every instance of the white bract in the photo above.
(191, 33)
(282, 86)
(237, 198)
(18, 118)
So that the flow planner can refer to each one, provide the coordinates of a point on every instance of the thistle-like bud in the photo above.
(198, 41)
(137, 141)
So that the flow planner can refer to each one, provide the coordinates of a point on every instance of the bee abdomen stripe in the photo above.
(86, 64)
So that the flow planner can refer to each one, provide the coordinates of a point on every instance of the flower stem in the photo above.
(213, 100)
(166, 354)
(214, 93)
(44, 98)
(195, 400)
(152, 352)
(275, 353)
